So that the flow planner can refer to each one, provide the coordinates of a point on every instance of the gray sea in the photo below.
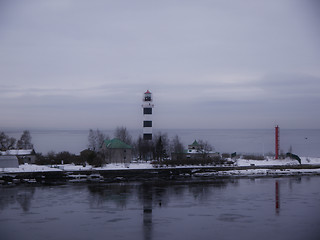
(304, 142)
(285, 208)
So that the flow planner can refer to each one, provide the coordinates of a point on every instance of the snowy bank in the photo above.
(29, 168)
(269, 161)
(251, 165)
(260, 172)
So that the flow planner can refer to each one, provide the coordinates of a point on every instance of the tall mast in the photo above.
(277, 141)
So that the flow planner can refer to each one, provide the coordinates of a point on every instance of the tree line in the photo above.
(159, 149)
(9, 143)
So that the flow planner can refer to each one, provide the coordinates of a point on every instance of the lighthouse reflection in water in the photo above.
(223, 208)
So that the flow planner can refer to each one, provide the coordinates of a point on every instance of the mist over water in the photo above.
(304, 142)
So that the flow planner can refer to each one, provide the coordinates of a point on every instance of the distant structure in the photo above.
(23, 155)
(117, 151)
(195, 151)
(277, 141)
(195, 147)
(147, 106)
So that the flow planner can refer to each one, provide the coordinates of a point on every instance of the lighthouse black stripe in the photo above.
(147, 110)
(147, 136)
(147, 123)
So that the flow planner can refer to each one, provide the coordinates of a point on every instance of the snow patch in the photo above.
(277, 162)
(30, 168)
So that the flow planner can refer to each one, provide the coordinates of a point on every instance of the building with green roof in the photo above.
(117, 151)
(195, 147)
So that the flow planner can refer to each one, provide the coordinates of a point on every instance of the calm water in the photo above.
(303, 142)
(221, 209)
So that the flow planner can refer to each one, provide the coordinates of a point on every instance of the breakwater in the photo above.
(156, 174)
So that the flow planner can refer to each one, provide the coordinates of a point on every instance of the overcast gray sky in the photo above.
(79, 64)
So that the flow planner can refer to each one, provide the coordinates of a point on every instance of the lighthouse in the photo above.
(147, 106)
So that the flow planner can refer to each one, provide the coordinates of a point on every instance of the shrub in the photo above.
(226, 155)
(186, 162)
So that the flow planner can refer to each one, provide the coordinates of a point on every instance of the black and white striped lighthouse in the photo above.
(147, 106)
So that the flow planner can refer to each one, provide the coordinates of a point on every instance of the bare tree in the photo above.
(25, 141)
(176, 145)
(176, 148)
(3, 138)
(96, 139)
(206, 147)
(11, 143)
(6, 142)
(123, 134)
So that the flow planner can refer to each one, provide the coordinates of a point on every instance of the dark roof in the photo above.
(116, 143)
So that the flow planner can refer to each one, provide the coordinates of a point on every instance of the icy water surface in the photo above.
(262, 208)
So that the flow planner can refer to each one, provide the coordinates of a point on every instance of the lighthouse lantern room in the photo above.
(147, 106)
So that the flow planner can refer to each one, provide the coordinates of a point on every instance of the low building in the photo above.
(23, 155)
(7, 161)
(194, 151)
(116, 151)
(195, 147)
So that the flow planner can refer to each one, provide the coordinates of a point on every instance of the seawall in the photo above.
(157, 174)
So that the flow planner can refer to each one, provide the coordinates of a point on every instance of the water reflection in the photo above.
(201, 192)
(226, 209)
(147, 200)
(277, 192)
(115, 193)
(11, 196)
(151, 195)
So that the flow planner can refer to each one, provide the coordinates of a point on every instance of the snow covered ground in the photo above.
(259, 172)
(71, 167)
(239, 162)
(277, 162)
(111, 166)
(29, 168)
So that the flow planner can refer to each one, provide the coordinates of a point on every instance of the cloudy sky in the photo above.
(80, 64)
